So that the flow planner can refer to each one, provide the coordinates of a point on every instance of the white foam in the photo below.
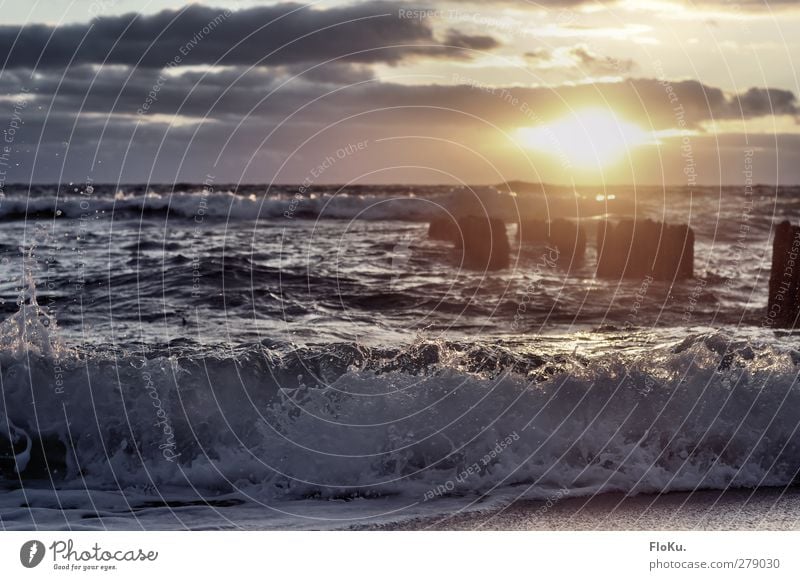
(585, 429)
(225, 205)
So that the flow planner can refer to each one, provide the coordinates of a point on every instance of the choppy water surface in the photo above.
(172, 354)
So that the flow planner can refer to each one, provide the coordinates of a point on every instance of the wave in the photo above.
(200, 206)
(191, 204)
(378, 204)
(433, 419)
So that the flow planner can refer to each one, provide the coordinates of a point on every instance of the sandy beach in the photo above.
(774, 509)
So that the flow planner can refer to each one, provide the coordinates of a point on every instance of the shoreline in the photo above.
(767, 509)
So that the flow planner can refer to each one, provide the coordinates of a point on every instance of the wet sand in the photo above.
(762, 509)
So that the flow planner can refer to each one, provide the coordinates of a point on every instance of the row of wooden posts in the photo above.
(625, 249)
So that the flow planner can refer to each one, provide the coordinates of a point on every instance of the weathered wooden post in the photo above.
(639, 248)
(783, 305)
(445, 228)
(569, 238)
(531, 231)
(485, 243)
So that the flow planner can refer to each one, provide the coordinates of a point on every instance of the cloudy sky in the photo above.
(587, 92)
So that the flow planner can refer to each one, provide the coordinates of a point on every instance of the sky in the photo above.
(581, 92)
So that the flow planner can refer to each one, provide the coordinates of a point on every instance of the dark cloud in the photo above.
(369, 32)
(325, 93)
(650, 102)
(757, 101)
(596, 64)
(583, 58)
(457, 39)
(230, 152)
(538, 54)
(334, 73)
(266, 113)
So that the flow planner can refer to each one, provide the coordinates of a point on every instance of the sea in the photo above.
(211, 356)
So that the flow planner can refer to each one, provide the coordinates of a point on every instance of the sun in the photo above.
(587, 138)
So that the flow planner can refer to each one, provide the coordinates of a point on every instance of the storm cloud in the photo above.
(370, 32)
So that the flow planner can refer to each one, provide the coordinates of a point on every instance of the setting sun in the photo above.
(586, 138)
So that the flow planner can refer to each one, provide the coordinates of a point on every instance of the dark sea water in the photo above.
(256, 357)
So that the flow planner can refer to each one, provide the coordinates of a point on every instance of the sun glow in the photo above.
(587, 138)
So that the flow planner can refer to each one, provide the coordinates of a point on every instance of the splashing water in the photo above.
(32, 329)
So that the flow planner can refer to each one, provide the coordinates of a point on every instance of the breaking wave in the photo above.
(281, 421)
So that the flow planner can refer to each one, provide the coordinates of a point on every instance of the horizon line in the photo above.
(395, 184)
